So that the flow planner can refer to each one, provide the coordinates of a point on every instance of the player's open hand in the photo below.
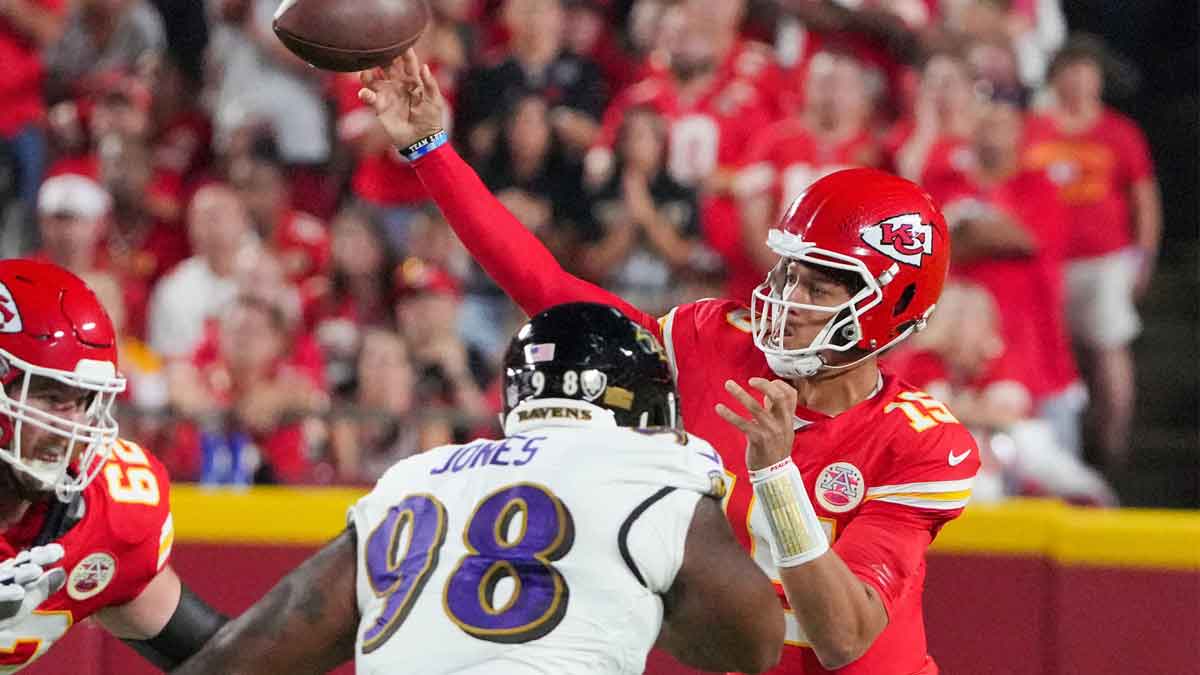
(771, 427)
(406, 99)
(27, 580)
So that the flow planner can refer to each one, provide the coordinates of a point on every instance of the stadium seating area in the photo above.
(294, 311)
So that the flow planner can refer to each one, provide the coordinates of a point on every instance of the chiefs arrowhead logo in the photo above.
(903, 238)
(10, 316)
(92, 575)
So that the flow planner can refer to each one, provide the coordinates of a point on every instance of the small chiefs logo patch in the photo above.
(840, 487)
(92, 575)
(10, 316)
(902, 238)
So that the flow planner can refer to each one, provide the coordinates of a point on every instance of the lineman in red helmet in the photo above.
(85, 523)
(840, 475)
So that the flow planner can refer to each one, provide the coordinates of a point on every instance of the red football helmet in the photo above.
(52, 326)
(885, 229)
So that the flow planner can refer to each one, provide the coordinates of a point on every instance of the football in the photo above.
(350, 35)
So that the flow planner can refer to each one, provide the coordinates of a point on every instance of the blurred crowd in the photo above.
(294, 310)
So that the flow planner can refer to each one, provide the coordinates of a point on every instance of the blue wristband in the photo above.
(425, 146)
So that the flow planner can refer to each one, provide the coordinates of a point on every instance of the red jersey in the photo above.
(122, 542)
(1029, 290)
(709, 133)
(884, 475)
(1094, 171)
(785, 158)
(21, 100)
(880, 477)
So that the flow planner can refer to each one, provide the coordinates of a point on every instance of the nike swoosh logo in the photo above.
(955, 460)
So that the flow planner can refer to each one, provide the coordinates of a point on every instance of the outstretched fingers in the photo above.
(752, 406)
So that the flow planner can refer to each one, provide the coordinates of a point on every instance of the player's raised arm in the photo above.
(305, 624)
(721, 614)
(409, 105)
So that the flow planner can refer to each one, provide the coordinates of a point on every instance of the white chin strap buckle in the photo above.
(795, 366)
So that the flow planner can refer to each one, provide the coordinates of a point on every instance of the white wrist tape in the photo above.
(796, 535)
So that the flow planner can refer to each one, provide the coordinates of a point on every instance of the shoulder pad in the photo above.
(136, 491)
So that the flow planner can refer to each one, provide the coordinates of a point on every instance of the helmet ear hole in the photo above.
(906, 298)
(847, 334)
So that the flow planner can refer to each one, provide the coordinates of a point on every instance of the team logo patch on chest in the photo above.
(91, 575)
(840, 487)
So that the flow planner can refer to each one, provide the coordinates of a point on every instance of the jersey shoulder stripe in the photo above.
(944, 495)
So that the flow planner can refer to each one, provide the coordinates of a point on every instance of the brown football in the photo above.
(350, 35)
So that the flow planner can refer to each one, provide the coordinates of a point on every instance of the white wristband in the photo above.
(796, 535)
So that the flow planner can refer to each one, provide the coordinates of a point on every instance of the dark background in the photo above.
(1157, 39)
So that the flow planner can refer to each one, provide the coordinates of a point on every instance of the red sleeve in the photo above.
(505, 248)
(885, 543)
(885, 546)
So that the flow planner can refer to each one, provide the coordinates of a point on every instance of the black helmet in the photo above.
(592, 353)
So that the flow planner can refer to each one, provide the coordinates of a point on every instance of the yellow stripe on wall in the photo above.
(1025, 527)
(274, 515)
(1077, 536)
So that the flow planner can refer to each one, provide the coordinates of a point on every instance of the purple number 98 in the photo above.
(538, 594)
(402, 577)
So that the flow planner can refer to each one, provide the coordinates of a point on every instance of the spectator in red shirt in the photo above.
(932, 147)
(1009, 237)
(1100, 162)
(140, 246)
(962, 360)
(299, 239)
(716, 90)
(26, 28)
(831, 132)
(249, 396)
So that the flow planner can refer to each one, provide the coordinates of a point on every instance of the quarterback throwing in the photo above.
(839, 474)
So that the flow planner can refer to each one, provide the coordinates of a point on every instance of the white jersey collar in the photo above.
(557, 412)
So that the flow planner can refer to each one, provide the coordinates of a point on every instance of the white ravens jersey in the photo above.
(543, 552)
